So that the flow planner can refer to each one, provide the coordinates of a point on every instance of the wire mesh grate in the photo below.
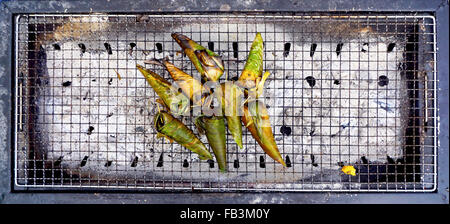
(345, 90)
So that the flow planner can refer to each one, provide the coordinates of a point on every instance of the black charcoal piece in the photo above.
(363, 49)
(390, 47)
(236, 163)
(383, 80)
(159, 47)
(211, 163)
(185, 163)
(56, 47)
(262, 163)
(134, 162)
(82, 47)
(132, 45)
(285, 130)
(311, 81)
(235, 50)
(84, 161)
(211, 46)
(90, 129)
(390, 160)
(86, 95)
(287, 48)
(345, 125)
(312, 50)
(288, 161)
(160, 160)
(313, 161)
(110, 81)
(339, 48)
(58, 161)
(364, 160)
(67, 83)
(108, 163)
(336, 82)
(108, 48)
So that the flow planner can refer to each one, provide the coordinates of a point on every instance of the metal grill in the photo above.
(345, 90)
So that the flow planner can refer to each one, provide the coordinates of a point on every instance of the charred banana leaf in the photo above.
(256, 117)
(231, 96)
(190, 86)
(254, 66)
(257, 121)
(214, 129)
(208, 63)
(172, 99)
(171, 128)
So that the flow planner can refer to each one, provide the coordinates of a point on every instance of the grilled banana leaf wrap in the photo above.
(254, 65)
(190, 86)
(176, 102)
(214, 129)
(171, 128)
(232, 96)
(255, 116)
(257, 121)
(207, 63)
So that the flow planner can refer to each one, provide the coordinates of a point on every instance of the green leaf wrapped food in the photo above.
(208, 63)
(254, 66)
(177, 102)
(171, 128)
(231, 96)
(256, 119)
(190, 86)
(214, 129)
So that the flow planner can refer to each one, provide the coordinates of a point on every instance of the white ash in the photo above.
(336, 123)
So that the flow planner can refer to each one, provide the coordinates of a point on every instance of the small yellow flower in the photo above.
(350, 170)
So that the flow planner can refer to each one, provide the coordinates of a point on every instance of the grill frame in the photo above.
(358, 190)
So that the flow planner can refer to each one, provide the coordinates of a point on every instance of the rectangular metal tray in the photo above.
(352, 115)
